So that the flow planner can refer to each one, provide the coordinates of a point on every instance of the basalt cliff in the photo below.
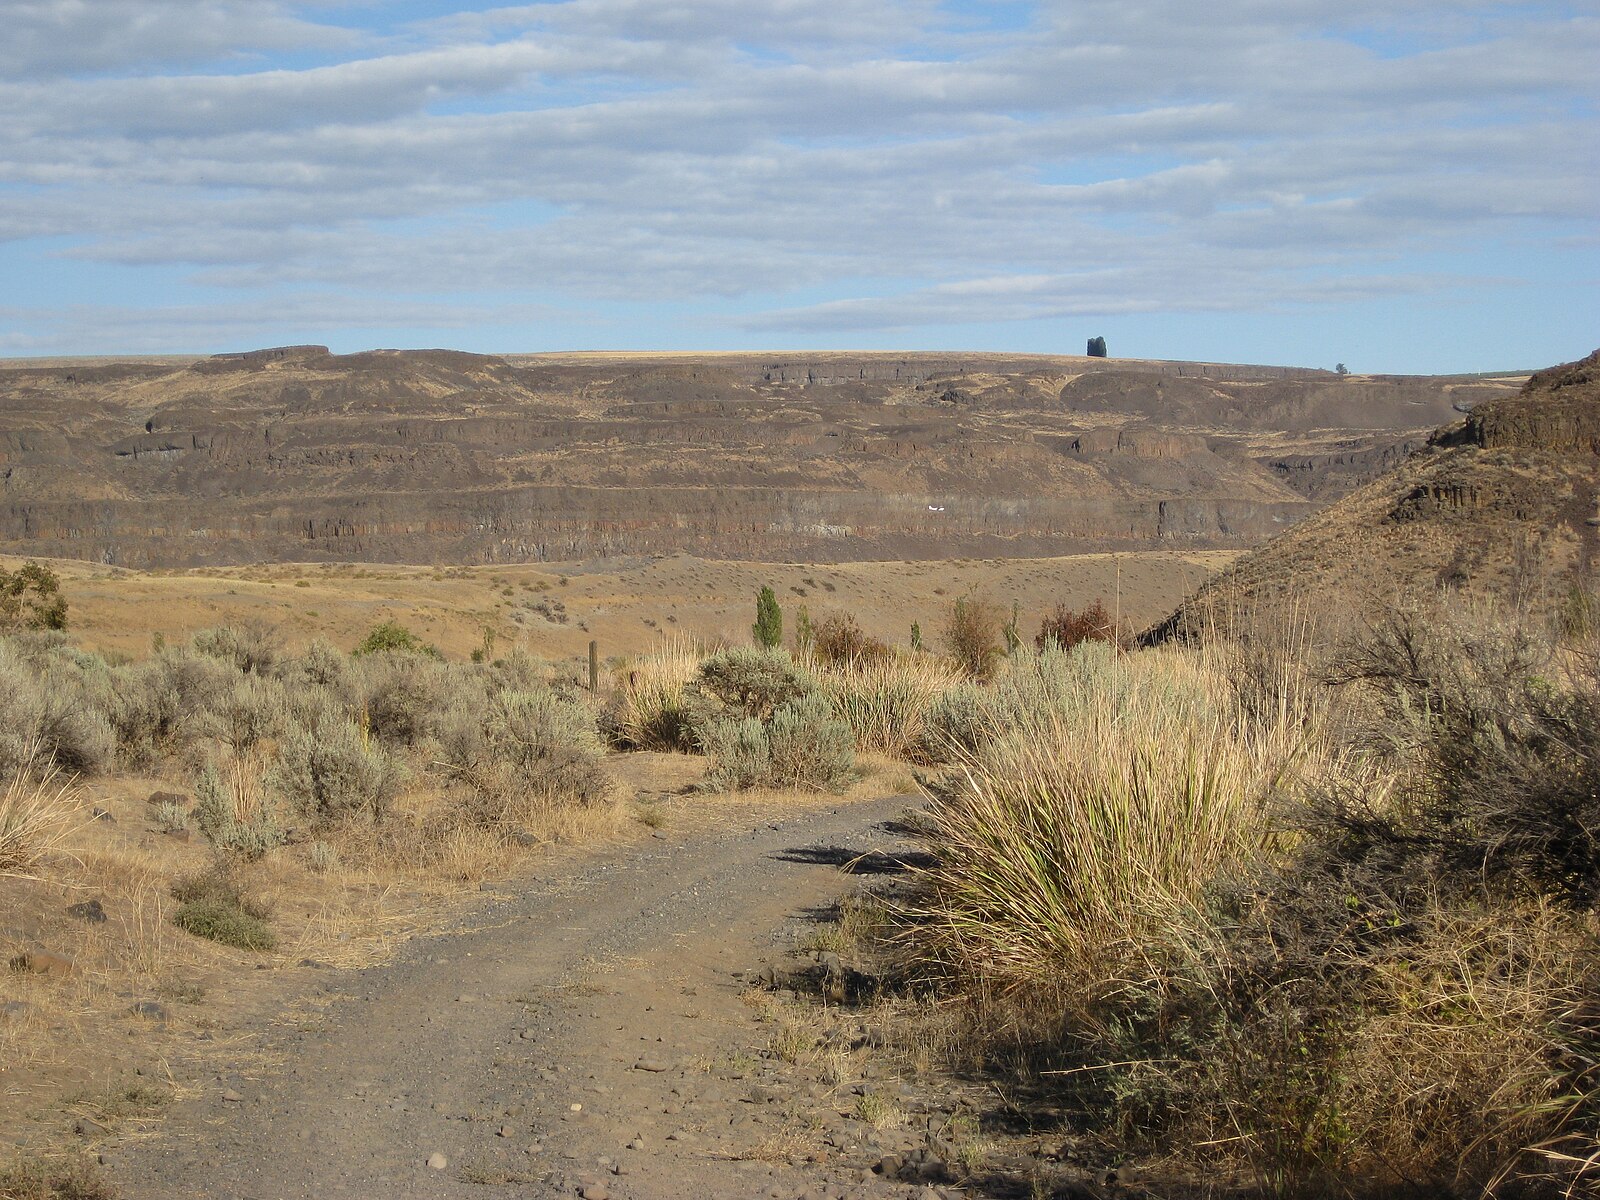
(1504, 502)
(296, 454)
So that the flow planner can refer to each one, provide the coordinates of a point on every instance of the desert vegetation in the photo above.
(1302, 915)
(264, 768)
(1306, 914)
(1317, 920)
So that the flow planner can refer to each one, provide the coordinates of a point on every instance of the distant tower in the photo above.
(1097, 347)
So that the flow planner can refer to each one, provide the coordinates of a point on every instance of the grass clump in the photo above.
(888, 701)
(1094, 813)
(650, 707)
(213, 905)
(32, 1179)
(38, 810)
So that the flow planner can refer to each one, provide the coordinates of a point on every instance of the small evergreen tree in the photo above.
(768, 629)
(805, 633)
(916, 636)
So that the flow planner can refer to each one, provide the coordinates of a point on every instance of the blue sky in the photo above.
(1400, 186)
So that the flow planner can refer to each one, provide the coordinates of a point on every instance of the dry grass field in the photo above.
(553, 610)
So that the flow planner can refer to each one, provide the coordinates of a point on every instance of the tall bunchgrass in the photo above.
(887, 701)
(650, 707)
(1105, 796)
(39, 809)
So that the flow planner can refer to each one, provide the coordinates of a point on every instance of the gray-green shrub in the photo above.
(741, 756)
(407, 696)
(251, 647)
(50, 712)
(329, 775)
(808, 746)
(753, 683)
(214, 906)
(233, 812)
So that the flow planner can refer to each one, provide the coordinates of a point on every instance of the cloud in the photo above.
(899, 158)
(156, 328)
(59, 38)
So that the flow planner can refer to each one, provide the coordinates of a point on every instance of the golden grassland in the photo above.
(553, 610)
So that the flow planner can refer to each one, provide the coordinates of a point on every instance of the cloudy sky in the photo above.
(1401, 185)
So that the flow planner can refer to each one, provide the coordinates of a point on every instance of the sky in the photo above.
(1401, 186)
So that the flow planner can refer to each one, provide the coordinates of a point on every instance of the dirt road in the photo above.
(583, 1035)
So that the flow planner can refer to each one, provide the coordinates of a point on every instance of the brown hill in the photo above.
(1502, 502)
(296, 454)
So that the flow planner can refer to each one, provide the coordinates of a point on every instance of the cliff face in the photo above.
(1504, 502)
(439, 456)
(1556, 412)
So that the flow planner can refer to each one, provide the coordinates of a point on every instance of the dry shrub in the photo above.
(1065, 627)
(972, 630)
(253, 710)
(77, 1179)
(837, 640)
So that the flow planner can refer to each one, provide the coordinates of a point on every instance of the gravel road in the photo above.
(582, 1034)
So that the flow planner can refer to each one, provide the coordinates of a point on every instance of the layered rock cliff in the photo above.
(438, 456)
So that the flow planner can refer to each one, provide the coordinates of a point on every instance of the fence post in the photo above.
(594, 666)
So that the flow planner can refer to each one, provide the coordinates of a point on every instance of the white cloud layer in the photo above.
(845, 167)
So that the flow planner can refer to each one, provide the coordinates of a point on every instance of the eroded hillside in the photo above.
(1501, 502)
(437, 457)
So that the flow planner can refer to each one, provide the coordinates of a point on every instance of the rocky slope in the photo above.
(1503, 501)
(436, 456)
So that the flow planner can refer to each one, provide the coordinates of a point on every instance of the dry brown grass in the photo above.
(705, 600)
(39, 810)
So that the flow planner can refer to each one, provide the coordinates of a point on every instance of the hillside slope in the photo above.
(296, 454)
(1502, 501)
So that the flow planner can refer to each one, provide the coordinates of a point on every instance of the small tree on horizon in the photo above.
(768, 629)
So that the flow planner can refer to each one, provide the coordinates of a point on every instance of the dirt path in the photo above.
(587, 1037)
